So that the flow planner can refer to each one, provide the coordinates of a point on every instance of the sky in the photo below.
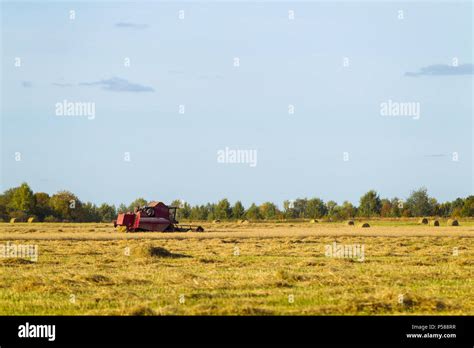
(306, 96)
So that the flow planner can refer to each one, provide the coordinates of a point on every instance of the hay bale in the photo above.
(364, 225)
(423, 221)
(12, 220)
(350, 223)
(151, 252)
(158, 252)
(216, 221)
(313, 221)
(30, 220)
(434, 223)
(453, 222)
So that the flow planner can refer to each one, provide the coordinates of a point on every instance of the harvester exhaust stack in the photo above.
(155, 217)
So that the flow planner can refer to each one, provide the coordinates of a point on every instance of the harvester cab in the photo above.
(173, 211)
(154, 217)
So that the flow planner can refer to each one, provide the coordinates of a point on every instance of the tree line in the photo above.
(22, 203)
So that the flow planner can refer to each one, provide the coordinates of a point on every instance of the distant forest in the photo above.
(22, 203)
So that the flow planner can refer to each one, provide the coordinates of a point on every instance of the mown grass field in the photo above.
(235, 269)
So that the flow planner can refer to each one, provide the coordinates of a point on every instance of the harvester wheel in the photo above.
(199, 229)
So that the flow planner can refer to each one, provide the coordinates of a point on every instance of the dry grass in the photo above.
(251, 269)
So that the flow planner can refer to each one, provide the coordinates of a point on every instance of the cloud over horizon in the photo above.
(443, 70)
(117, 84)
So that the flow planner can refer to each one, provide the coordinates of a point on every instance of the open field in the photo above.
(252, 269)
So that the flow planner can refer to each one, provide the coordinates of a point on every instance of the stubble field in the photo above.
(237, 269)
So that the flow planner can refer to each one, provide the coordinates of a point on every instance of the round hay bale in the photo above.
(350, 223)
(364, 225)
(313, 221)
(12, 220)
(216, 221)
(423, 221)
(453, 222)
(434, 223)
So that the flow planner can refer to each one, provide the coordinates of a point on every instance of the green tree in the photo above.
(5, 203)
(137, 203)
(122, 208)
(252, 212)
(386, 208)
(369, 204)
(315, 209)
(223, 210)
(176, 203)
(211, 211)
(456, 207)
(66, 206)
(23, 199)
(445, 209)
(468, 207)
(90, 213)
(299, 207)
(3, 210)
(338, 213)
(330, 205)
(288, 211)
(419, 203)
(349, 210)
(42, 207)
(107, 212)
(434, 206)
(397, 206)
(406, 212)
(238, 210)
(268, 210)
(184, 211)
(199, 212)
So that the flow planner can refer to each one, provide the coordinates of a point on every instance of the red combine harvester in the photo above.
(155, 217)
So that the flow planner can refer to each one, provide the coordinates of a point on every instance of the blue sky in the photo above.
(190, 62)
